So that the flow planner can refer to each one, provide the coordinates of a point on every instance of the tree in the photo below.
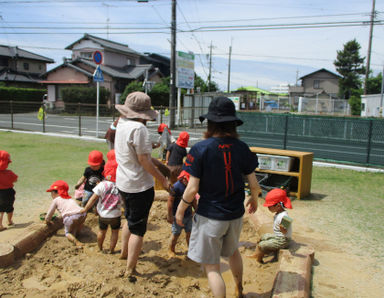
(131, 87)
(350, 66)
(374, 84)
(203, 86)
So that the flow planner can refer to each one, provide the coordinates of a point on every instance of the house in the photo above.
(321, 83)
(21, 68)
(120, 65)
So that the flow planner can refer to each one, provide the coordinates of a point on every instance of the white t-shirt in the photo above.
(132, 138)
(109, 205)
(276, 225)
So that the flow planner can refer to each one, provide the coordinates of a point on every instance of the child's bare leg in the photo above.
(187, 237)
(125, 235)
(258, 255)
(172, 245)
(100, 238)
(236, 265)
(73, 239)
(1, 221)
(10, 215)
(114, 237)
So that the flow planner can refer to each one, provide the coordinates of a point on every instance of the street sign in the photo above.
(98, 75)
(97, 57)
(185, 75)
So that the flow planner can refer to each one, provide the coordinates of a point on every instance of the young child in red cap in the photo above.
(165, 139)
(175, 155)
(92, 175)
(173, 202)
(73, 219)
(109, 204)
(7, 193)
(276, 201)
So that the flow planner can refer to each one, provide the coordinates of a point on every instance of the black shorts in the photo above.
(7, 198)
(113, 222)
(137, 206)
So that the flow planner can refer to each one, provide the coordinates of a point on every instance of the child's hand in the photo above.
(48, 222)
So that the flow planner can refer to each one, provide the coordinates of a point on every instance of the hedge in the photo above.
(21, 94)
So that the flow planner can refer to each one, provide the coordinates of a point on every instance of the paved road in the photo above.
(70, 125)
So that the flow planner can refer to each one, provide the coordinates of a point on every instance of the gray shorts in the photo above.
(271, 242)
(211, 239)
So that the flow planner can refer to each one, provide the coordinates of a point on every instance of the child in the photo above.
(7, 193)
(109, 204)
(165, 139)
(175, 155)
(73, 219)
(92, 175)
(173, 202)
(276, 201)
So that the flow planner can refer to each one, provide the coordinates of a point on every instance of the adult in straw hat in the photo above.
(135, 172)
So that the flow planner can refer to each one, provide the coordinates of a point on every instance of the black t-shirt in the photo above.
(177, 154)
(92, 177)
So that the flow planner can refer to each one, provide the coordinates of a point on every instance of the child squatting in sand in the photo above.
(276, 201)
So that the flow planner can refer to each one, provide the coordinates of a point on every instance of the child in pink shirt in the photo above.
(70, 211)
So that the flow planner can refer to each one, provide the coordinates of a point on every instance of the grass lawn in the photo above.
(345, 203)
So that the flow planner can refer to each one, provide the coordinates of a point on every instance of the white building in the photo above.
(282, 88)
(372, 105)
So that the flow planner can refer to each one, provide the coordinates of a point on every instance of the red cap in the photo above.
(61, 187)
(276, 196)
(161, 128)
(183, 174)
(110, 170)
(111, 154)
(5, 159)
(183, 139)
(95, 158)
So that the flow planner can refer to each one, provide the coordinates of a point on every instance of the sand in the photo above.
(59, 269)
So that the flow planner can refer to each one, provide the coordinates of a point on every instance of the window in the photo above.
(363, 107)
(316, 84)
(86, 55)
(26, 66)
(129, 62)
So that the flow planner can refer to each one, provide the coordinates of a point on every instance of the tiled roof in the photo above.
(18, 77)
(8, 51)
(105, 43)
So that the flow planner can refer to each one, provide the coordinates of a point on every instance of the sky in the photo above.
(266, 51)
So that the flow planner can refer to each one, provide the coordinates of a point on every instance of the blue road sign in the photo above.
(97, 57)
(98, 75)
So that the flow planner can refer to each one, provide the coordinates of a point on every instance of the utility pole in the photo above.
(369, 47)
(173, 93)
(210, 67)
(229, 69)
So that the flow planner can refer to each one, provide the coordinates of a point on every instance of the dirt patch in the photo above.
(59, 269)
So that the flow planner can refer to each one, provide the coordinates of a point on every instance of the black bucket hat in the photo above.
(221, 109)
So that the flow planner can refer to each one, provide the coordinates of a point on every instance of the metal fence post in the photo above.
(285, 132)
(79, 112)
(193, 111)
(369, 140)
(44, 115)
(11, 106)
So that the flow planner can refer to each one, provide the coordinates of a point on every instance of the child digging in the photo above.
(276, 201)
(73, 219)
(173, 202)
(7, 193)
(109, 204)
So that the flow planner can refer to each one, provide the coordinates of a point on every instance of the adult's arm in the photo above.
(146, 161)
(188, 197)
(254, 186)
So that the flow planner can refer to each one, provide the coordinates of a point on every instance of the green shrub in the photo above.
(21, 94)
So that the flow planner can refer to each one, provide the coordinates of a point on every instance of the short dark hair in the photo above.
(221, 129)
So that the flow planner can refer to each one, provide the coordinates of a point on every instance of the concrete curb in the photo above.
(293, 277)
(28, 242)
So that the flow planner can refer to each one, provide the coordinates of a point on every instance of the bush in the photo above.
(21, 94)
(355, 103)
(84, 95)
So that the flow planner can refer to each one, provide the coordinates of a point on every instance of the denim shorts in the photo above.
(137, 206)
(176, 229)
